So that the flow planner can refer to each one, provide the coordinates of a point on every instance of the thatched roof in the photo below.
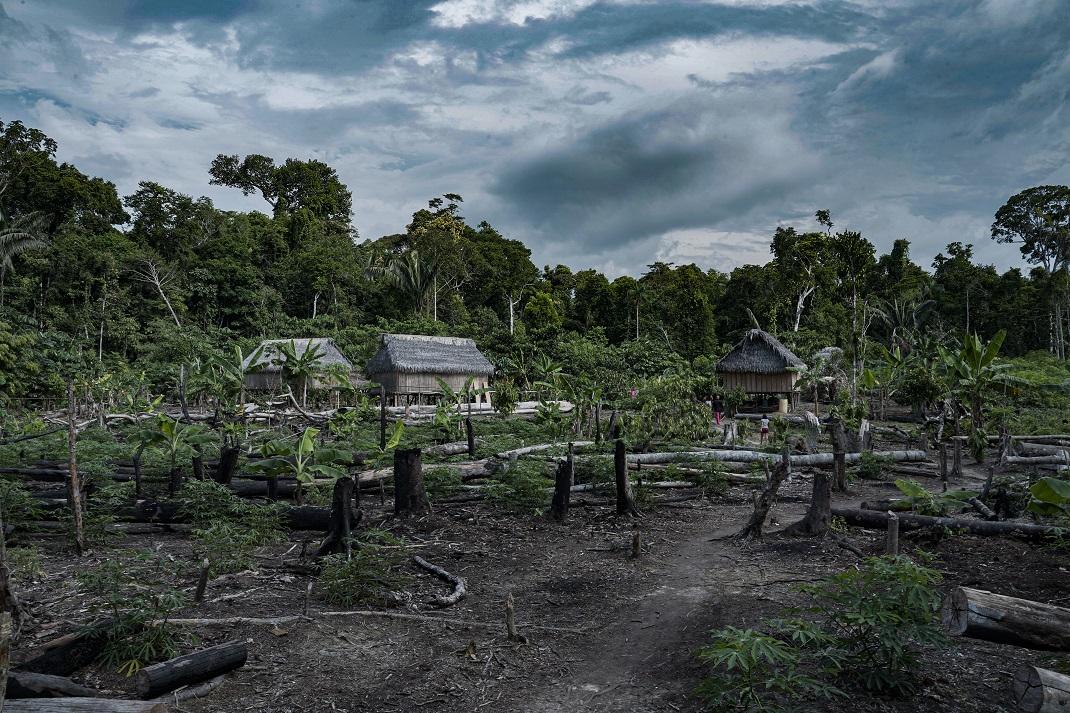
(417, 354)
(759, 352)
(329, 354)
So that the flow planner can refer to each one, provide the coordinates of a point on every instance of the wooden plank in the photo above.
(83, 705)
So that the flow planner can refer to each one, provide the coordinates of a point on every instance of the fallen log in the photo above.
(1062, 458)
(83, 705)
(771, 458)
(977, 614)
(517, 452)
(24, 684)
(982, 509)
(455, 448)
(460, 590)
(893, 504)
(916, 472)
(66, 654)
(878, 520)
(1038, 690)
(189, 669)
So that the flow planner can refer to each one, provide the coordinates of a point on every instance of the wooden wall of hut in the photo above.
(782, 383)
(423, 383)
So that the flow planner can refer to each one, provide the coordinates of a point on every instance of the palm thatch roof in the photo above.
(759, 352)
(269, 354)
(417, 354)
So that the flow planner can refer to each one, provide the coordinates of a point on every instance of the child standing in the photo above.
(764, 436)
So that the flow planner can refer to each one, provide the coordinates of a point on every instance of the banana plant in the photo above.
(179, 440)
(300, 368)
(233, 370)
(302, 459)
(974, 372)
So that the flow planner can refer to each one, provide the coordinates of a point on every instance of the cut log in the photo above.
(1038, 690)
(448, 449)
(893, 504)
(460, 590)
(879, 521)
(192, 668)
(816, 459)
(84, 705)
(516, 452)
(23, 684)
(982, 509)
(66, 654)
(977, 614)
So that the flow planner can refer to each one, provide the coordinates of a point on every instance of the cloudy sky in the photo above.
(604, 133)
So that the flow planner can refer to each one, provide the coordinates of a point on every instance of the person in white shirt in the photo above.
(764, 435)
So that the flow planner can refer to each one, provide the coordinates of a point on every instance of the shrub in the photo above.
(372, 571)
(756, 672)
(523, 487)
(865, 628)
(17, 506)
(25, 562)
(877, 615)
(135, 602)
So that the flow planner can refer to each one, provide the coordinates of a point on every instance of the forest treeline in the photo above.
(92, 282)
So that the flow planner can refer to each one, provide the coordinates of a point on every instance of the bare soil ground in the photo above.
(636, 623)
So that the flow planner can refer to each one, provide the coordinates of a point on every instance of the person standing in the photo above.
(718, 409)
(764, 434)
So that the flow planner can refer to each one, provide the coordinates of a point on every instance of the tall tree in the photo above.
(296, 184)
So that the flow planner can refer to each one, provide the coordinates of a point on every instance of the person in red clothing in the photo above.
(764, 435)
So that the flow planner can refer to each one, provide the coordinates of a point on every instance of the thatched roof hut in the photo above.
(760, 364)
(412, 364)
(268, 356)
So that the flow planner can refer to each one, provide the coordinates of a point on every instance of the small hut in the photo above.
(269, 376)
(761, 365)
(410, 365)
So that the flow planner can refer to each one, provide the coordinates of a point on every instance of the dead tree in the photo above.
(625, 501)
(410, 498)
(839, 458)
(74, 484)
(150, 274)
(763, 503)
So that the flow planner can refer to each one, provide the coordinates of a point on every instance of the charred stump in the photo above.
(625, 501)
(410, 498)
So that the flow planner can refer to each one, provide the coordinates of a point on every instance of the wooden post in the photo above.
(598, 423)
(5, 654)
(562, 490)
(625, 503)
(410, 498)
(891, 541)
(470, 433)
(785, 457)
(612, 429)
(382, 418)
(273, 487)
(202, 581)
(637, 548)
(956, 470)
(943, 464)
(74, 484)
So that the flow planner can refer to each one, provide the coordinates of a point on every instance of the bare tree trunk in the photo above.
(74, 485)
(410, 498)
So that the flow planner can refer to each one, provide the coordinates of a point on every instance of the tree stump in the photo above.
(470, 433)
(625, 501)
(763, 502)
(817, 519)
(891, 540)
(410, 498)
(338, 538)
(228, 463)
(562, 490)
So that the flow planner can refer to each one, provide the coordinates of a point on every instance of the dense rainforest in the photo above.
(126, 288)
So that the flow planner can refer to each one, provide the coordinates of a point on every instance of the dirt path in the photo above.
(631, 663)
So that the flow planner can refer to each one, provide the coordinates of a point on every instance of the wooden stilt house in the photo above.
(408, 366)
(761, 365)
